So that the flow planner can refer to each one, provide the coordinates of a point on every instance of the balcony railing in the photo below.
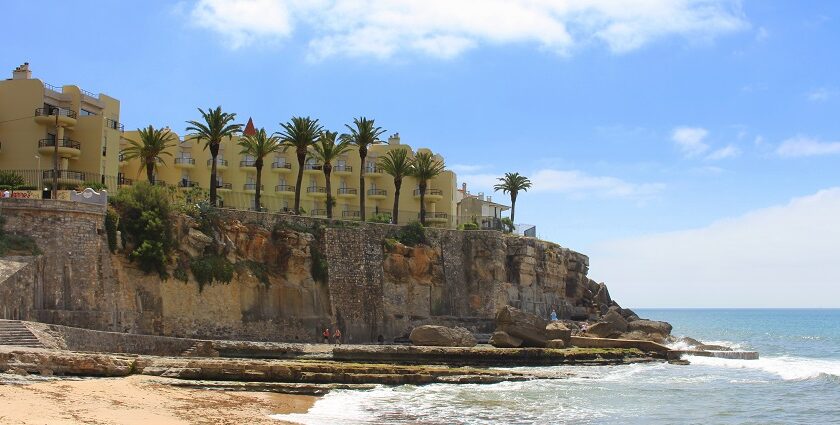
(284, 188)
(46, 112)
(114, 125)
(313, 167)
(190, 161)
(88, 94)
(340, 168)
(371, 169)
(62, 143)
(348, 191)
(65, 174)
(350, 214)
(318, 212)
(227, 186)
(429, 192)
(52, 87)
(219, 161)
(435, 215)
(316, 189)
(286, 165)
(187, 183)
(252, 186)
(248, 163)
(377, 192)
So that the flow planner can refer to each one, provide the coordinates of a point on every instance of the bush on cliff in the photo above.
(412, 234)
(146, 225)
(112, 222)
(211, 268)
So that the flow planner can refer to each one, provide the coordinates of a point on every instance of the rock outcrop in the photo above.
(442, 336)
(558, 331)
(519, 324)
(501, 339)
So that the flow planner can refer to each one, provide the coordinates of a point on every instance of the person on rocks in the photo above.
(337, 336)
(326, 335)
(553, 315)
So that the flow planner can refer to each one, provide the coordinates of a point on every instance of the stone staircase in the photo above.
(13, 332)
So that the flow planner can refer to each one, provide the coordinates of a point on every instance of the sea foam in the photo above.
(786, 367)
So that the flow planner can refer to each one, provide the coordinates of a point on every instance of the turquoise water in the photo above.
(797, 381)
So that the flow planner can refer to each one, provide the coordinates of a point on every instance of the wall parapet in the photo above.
(51, 205)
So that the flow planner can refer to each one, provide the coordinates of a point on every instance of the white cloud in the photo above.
(821, 94)
(690, 140)
(801, 146)
(783, 256)
(730, 151)
(572, 183)
(762, 34)
(446, 28)
(466, 168)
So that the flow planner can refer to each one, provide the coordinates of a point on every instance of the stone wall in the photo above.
(19, 280)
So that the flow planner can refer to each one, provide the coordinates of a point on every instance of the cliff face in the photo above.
(294, 276)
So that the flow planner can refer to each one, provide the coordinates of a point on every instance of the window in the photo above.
(85, 113)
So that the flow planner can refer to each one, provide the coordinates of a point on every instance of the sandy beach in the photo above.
(139, 400)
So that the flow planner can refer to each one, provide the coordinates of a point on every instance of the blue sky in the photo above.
(644, 124)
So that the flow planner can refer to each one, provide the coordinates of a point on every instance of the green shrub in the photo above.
(507, 225)
(10, 179)
(320, 267)
(412, 234)
(180, 273)
(211, 268)
(97, 186)
(146, 223)
(468, 226)
(112, 222)
(259, 270)
(380, 218)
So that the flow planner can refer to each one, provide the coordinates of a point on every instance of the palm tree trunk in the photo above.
(512, 207)
(258, 164)
(301, 156)
(362, 193)
(214, 182)
(150, 172)
(327, 172)
(423, 203)
(395, 213)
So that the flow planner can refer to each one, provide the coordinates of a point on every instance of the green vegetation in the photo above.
(112, 223)
(211, 268)
(10, 180)
(146, 225)
(507, 225)
(259, 146)
(513, 183)
(320, 267)
(259, 270)
(180, 273)
(97, 186)
(363, 134)
(214, 126)
(299, 134)
(468, 226)
(380, 218)
(397, 164)
(424, 168)
(149, 150)
(326, 150)
(18, 244)
(412, 234)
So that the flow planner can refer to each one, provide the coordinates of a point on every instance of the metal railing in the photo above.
(182, 160)
(252, 186)
(348, 191)
(318, 212)
(187, 183)
(377, 192)
(434, 215)
(52, 87)
(350, 214)
(371, 170)
(340, 168)
(62, 143)
(228, 186)
(114, 125)
(429, 192)
(219, 161)
(248, 163)
(313, 167)
(65, 174)
(286, 165)
(284, 188)
(62, 112)
(316, 189)
(88, 94)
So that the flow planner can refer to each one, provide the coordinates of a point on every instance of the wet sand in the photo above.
(139, 400)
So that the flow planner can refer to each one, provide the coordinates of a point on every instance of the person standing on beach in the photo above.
(337, 336)
(326, 335)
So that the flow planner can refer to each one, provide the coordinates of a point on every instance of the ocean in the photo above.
(795, 381)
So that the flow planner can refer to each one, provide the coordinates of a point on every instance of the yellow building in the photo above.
(189, 166)
(35, 116)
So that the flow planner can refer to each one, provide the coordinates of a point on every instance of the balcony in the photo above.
(373, 171)
(377, 193)
(318, 213)
(248, 163)
(225, 186)
(64, 176)
(342, 170)
(435, 217)
(317, 191)
(221, 164)
(184, 162)
(122, 159)
(351, 215)
(187, 184)
(284, 189)
(49, 116)
(313, 168)
(252, 187)
(281, 167)
(66, 147)
(114, 125)
(432, 195)
(347, 192)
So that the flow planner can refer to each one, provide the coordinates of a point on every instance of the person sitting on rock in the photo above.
(553, 315)
(337, 336)
(326, 335)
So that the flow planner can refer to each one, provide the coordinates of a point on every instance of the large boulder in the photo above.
(616, 321)
(650, 327)
(556, 343)
(442, 336)
(611, 325)
(601, 330)
(525, 326)
(557, 330)
(503, 340)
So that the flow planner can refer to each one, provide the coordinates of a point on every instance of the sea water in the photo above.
(796, 380)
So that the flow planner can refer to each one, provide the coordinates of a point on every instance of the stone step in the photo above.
(15, 333)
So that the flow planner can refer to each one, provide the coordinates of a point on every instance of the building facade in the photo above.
(478, 209)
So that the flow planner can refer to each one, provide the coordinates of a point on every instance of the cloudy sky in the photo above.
(690, 147)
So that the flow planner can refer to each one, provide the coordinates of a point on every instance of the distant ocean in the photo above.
(796, 381)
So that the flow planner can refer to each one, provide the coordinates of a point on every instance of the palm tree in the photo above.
(259, 146)
(398, 164)
(512, 183)
(424, 168)
(152, 145)
(299, 133)
(326, 150)
(215, 126)
(363, 134)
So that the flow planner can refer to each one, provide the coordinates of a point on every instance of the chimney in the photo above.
(394, 139)
(22, 72)
(464, 187)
